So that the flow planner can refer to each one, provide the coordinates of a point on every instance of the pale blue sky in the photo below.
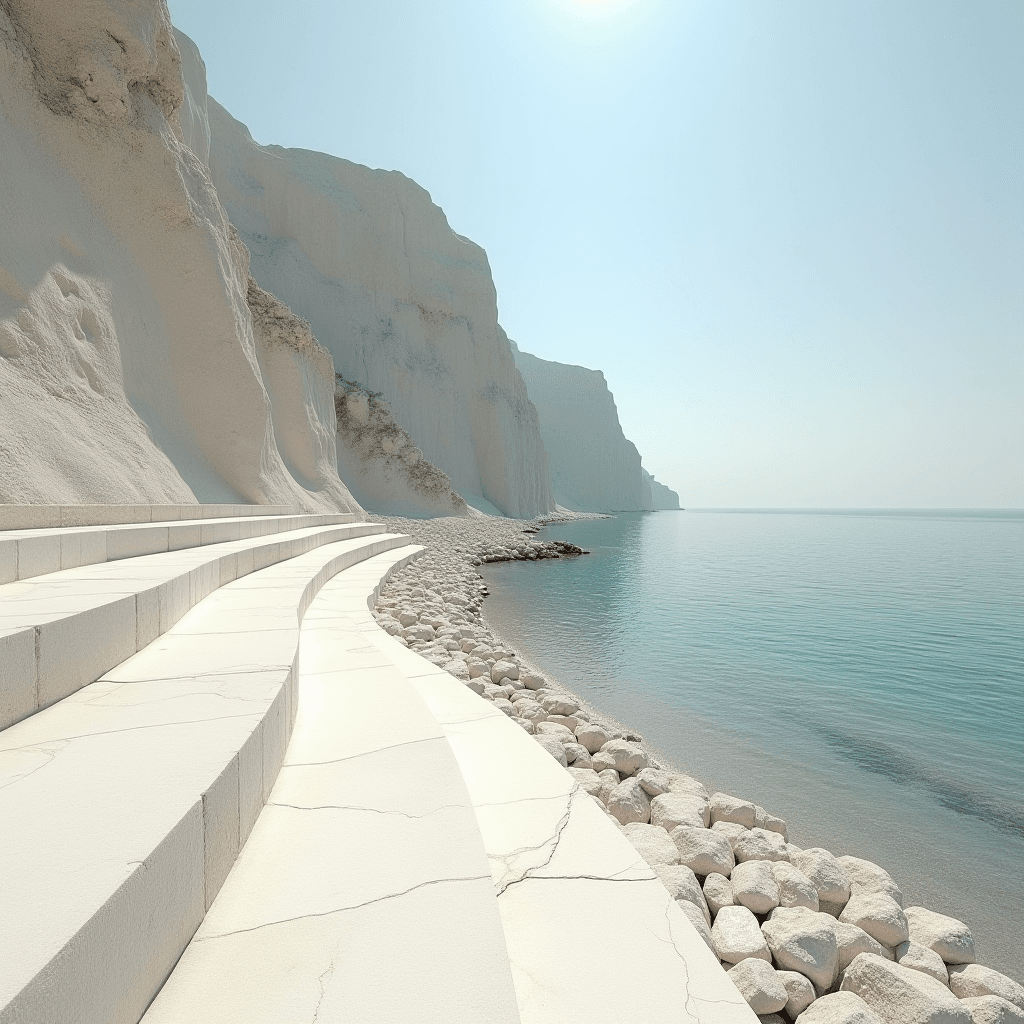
(791, 234)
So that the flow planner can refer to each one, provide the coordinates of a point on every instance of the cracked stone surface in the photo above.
(151, 778)
(364, 891)
(554, 854)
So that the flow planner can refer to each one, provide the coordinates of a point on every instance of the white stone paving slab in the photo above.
(556, 857)
(364, 893)
(80, 622)
(125, 804)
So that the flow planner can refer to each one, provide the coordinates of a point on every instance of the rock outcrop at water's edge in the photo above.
(405, 305)
(829, 935)
(128, 366)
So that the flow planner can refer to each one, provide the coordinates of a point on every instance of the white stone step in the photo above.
(556, 859)
(34, 517)
(124, 805)
(61, 631)
(364, 892)
(29, 553)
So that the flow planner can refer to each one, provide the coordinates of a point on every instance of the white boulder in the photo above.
(853, 941)
(730, 829)
(900, 995)
(609, 782)
(593, 737)
(578, 755)
(993, 1010)
(679, 783)
(559, 732)
(759, 844)
(702, 850)
(730, 808)
(950, 938)
(737, 936)
(839, 1008)
(696, 918)
(759, 985)
(800, 992)
(970, 980)
(804, 941)
(671, 810)
(718, 892)
(587, 779)
(652, 843)
(654, 780)
(866, 875)
(682, 884)
(504, 670)
(879, 915)
(920, 958)
(627, 758)
(628, 802)
(754, 886)
(795, 888)
(825, 873)
(558, 704)
(554, 747)
(772, 824)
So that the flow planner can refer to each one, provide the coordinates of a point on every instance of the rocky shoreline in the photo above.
(803, 934)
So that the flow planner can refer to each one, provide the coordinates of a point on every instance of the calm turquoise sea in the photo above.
(859, 673)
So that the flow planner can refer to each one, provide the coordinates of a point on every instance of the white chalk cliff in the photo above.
(129, 369)
(594, 467)
(158, 346)
(661, 497)
(406, 306)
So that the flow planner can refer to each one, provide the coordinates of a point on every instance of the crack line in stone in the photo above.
(374, 810)
(133, 728)
(342, 910)
(525, 800)
(365, 753)
(554, 841)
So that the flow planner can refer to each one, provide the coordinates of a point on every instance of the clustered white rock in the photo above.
(802, 933)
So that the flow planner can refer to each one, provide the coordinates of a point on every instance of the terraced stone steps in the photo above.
(124, 805)
(25, 554)
(61, 631)
(38, 517)
(363, 893)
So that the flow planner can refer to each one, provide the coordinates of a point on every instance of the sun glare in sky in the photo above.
(596, 8)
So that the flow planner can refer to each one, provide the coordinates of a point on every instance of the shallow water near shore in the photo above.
(860, 674)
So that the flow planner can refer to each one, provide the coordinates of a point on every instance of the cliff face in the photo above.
(593, 466)
(661, 497)
(382, 464)
(128, 365)
(406, 307)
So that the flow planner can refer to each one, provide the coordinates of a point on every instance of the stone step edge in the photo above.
(27, 554)
(227, 978)
(42, 516)
(42, 664)
(126, 928)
